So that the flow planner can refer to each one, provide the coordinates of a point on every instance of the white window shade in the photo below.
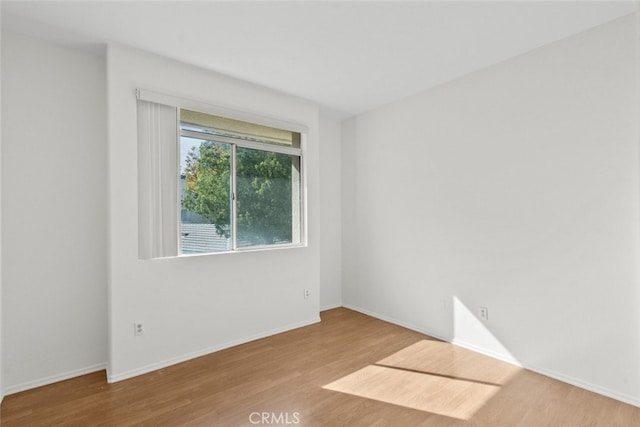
(157, 184)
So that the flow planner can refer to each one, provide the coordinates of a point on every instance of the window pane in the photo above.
(268, 203)
(205, 220)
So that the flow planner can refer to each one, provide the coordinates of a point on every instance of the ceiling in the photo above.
(347, 56)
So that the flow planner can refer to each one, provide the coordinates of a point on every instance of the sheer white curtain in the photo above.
(157, 180)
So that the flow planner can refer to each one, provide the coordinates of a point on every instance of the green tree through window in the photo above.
(264, 182)
(207, 191)
(264, 197)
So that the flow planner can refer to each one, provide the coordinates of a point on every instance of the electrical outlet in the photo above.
(484, 313)
(307, 293)
(138, 329)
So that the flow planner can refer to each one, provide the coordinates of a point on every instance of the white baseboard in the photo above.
(330, 306)
(495, 355)
(395, 322)
(53, 379)
(111, 378)
(622, 397)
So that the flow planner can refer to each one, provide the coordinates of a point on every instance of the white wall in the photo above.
(195, 305)
(53, 212)
(330, 211)
(514, 188)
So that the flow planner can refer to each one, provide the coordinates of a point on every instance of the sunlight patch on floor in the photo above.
(431, 376)
(442, 358)
(439, 395)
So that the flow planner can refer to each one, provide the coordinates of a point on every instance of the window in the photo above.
(239, 184)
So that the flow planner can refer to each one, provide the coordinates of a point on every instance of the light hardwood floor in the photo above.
(348, 370)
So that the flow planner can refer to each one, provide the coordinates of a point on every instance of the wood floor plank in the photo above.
(348, 370)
